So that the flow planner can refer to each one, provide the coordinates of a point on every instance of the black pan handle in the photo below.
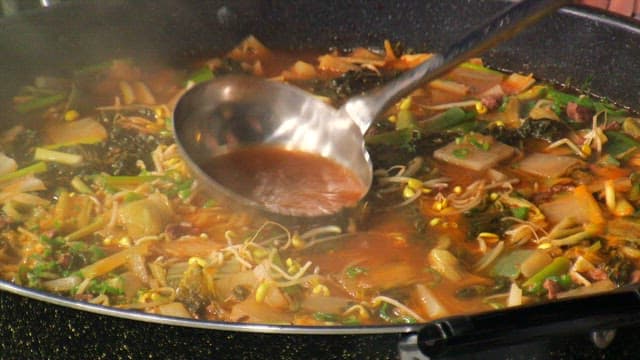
(459, 334)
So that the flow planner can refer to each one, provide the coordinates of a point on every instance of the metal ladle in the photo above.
(230, 112)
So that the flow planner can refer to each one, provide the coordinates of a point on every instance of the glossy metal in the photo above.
(577, 44)
(224, 114)
(220, 116)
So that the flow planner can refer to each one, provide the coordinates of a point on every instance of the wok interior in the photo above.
(176, 44)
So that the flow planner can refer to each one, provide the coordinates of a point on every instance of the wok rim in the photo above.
(204, 324)
(607, 19)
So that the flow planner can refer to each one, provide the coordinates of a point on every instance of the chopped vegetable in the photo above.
(558, 266)
(42, 154)
(548, 165)
(470, 156)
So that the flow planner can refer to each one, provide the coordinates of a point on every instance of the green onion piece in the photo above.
(563, 280)
(503, 106)
(383, 313)
(132, 196)
(392, 138)
(406, 120)
(200, 75)
(354, 271)
(86, 231)
(118, 181)
(39, 103)
(80, 186)
(105, 287)
(480, 144)
(448, 119)
(322, 316)
(57, 156)
(460, 153)
(210, 203)
(558, 266)
(351, 320)
(184, 194)
(29, 170)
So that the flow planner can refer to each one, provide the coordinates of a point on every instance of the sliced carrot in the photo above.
(589, 204)
(517, 83)
(609, 172)
(389, 54)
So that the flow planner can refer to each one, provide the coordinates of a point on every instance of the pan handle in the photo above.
(459, 334)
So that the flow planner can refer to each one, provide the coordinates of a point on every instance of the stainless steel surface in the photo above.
(211, 325)
(218, 117)
(224, 114)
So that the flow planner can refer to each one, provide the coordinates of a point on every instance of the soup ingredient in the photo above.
(475, 152)
(287, 180)
(490, 190)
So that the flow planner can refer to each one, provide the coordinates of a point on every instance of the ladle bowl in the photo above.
(232, 112)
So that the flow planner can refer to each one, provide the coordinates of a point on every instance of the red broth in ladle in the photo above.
(297, 182)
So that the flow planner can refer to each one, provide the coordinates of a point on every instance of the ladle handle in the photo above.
(554, 320)
(366, 108)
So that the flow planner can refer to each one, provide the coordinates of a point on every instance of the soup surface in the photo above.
(490, 190)
(287, 181)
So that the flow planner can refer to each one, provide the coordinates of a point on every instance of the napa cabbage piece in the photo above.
(446, 264)
(548, 165)
(579, 205)
(145, 217)
(475, 152)
(83, 131)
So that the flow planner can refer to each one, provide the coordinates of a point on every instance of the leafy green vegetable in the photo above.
(543, 129)
(384, 314)
(355, 82)
(354, 271)
(106, 287)
(620, 143)
(448, 119)
(487, 218)
(322, 316)
(561, 99)
(520, 212)
(401, 137)
(39, 103)
(406, 120)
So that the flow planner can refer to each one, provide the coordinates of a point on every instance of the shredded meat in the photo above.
(597, 275)
(492, 98)
(635, 277)
(491, 102)
(552, 289)
(174, 231)
(579, 113)
(544, 196)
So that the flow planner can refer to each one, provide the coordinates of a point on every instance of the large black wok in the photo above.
(577, 46)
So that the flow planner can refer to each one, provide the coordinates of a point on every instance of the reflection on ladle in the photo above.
(232, 113)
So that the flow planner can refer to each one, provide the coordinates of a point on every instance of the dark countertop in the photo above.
(31, 329)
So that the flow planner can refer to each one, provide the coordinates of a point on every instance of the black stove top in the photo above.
(31, 329)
